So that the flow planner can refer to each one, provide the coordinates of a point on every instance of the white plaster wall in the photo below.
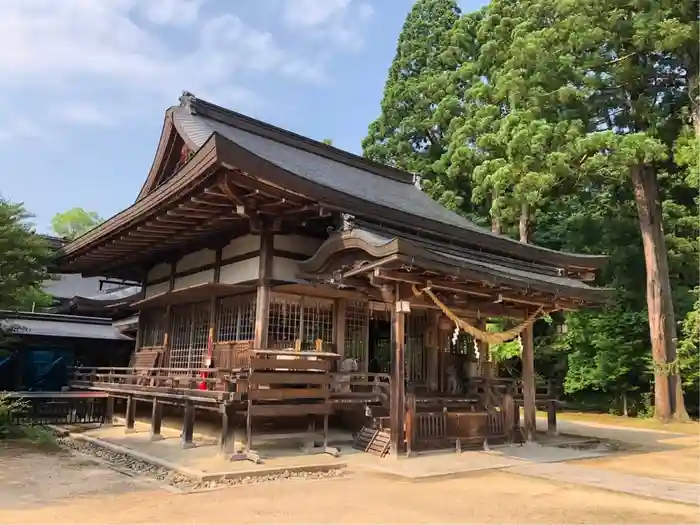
(155, 289)
(195, 279)
(159, 271)
(297, 244)
(284, 269)
(240, 271)
(241, 245)
(195, 260)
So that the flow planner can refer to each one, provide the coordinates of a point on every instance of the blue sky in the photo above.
(84, 84)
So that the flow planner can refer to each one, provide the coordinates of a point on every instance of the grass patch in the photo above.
(30, 437)
(692, 428)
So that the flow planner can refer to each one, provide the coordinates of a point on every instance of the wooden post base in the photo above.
(246, 455)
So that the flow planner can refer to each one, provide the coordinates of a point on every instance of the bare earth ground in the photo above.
(59, 488)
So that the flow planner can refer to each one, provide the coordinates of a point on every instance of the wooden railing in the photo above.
(355, 388)
(67, 408)
(434, 430)
(203, 383)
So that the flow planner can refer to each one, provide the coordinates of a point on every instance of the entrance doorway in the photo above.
(379, 347)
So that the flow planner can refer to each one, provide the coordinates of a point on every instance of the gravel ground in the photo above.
(62, 488)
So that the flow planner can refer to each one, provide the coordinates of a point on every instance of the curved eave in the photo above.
(198, 168)
(478, 271)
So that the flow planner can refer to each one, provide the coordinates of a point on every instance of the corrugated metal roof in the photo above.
(58, 325)
(74, 330)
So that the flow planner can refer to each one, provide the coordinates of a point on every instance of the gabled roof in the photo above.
(303, 167)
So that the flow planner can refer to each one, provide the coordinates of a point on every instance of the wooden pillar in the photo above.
(340, 307)
(484, 352)
(186, 438)
(528, 377)
(130, 414)
(508, 408)
(156, 420)
(109, 412)
(398, 367)
(262, 305)
(552, 418)
(225, 432)
(410, 423)
(433, 348)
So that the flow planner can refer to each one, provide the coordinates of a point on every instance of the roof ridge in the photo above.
(203, 108)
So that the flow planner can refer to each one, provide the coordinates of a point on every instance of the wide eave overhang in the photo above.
(243, 170)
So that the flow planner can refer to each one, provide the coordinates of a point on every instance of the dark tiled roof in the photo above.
(510, 272)
(343, 172)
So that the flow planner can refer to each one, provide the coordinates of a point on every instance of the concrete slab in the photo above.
(451, 464)
(666, 490)
(203, 461)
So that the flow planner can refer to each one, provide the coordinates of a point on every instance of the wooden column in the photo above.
(339, 326)
(484, 352)
(156, 420)
(225, 433)
(109, 412)
(262, 305)
(433, 348)
(186, 438)
(130, 414)
(528, 376)
(552, 418)
(398, 367)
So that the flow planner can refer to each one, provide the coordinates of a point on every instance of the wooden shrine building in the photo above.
(255, 243)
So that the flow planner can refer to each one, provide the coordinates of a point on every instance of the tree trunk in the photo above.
(658, 282)
(528, 359)
(495, 221)
(624, 403)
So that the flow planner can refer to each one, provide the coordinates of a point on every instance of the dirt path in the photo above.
(64, 489)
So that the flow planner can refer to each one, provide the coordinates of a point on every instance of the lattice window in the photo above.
(318, 321)
(463, 346)
(303, 318)
(415, 352)
(284, 321)
(236, 319)
(190, 332)
(357, 331)
(153, 328)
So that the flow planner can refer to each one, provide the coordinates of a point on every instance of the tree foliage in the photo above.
(409, 133)
(574, 124)
(23, 260)
(75, 222)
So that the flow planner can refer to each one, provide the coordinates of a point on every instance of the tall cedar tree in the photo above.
(23, 259)
(580, 103)
(406, 134)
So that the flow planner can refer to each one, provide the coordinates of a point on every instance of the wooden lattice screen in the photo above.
(304, 318)
(190, 332)
(356, 344)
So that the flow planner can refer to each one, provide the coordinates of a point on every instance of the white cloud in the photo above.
(170, 12)
(23, 128)
(148, 51)
(83, 114)
(338, 21)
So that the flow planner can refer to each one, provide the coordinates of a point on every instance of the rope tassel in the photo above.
(476, 333)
